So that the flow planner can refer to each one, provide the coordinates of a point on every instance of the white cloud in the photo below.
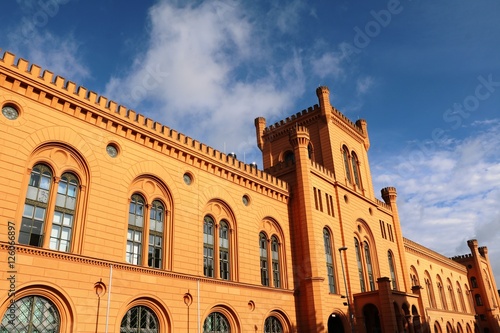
(363, 84)
(327, 64)
(449, 193)
(202, 74)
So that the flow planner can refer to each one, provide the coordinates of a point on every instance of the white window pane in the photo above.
(66, 233)
(68, 220)
(39, 213)
(64, 246)
(43, 196)
(32, 192)
(137, 236)
(159, 226)
(28, 211)
(130, 234)
(57, 218)
(129, 247)
(152, 225)
(62, 187)
(60, 200)
(72, 191)
(138, 221)
(45, 183)
(70, 202)
(55, 231)
(53, 244)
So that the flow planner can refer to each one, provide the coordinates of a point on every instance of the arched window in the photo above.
(360, 266)
(64, 213)
(345, 154)
(156, 226)
(473, 282)
(452, 296)
(355, 169)
(208, 246)
(275, 255)
(264, 269)
(369, 267)
(461, 298)
(35, 206)
(430, 291)
(224, 250)
(414, 277)
(139, 319)
(270, 252)
(32, 314)
(329, 260)
(272, 325)
(216, 322)
(289, 157)
(135, 230)
(479, 301)
(393, 272)
(146, 228)
(442, 295)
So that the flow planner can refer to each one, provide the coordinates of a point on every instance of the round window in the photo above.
(10, 112)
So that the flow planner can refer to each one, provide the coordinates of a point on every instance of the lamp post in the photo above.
(349, 313)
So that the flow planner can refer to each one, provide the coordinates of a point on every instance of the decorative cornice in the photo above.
(415, 248)
(64, 96)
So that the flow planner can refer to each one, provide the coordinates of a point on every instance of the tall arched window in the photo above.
(216, 322)
(156, 228)
(479, 301)
(208, 246)
(473, 282)
(272, 325)
(355, 169)
(329, 260)
(442, 295)
(135, 230)
(146, 230)
(275, 257)
(461, 298)
(452, 296)
(139, 319)
(264, 266)
(32, 314)
(391, 269)
(369, 267)
(224, 250)
(270, 252)
(35, 206)
(360, 266)
(345, 154)
(64, 213)
(430, 291)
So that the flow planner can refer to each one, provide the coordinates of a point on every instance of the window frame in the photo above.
(149, 205)
(51, 232)
(271, 269)
(221, 255)
(329, 258)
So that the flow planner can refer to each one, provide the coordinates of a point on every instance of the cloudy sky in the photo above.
(425, 75)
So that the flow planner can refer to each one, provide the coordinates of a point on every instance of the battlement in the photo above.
(292, 118)
(65, 96)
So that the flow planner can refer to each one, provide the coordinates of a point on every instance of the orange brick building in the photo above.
(112, 222)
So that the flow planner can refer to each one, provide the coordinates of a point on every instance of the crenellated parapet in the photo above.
(65, 96)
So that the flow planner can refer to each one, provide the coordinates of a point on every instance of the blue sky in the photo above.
(425, 75)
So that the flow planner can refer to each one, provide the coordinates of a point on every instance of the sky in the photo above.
(424, 74)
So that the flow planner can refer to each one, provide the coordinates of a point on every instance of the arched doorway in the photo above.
(372, 320)
(335, 324)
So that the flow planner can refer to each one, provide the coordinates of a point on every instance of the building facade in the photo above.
(113, 222)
